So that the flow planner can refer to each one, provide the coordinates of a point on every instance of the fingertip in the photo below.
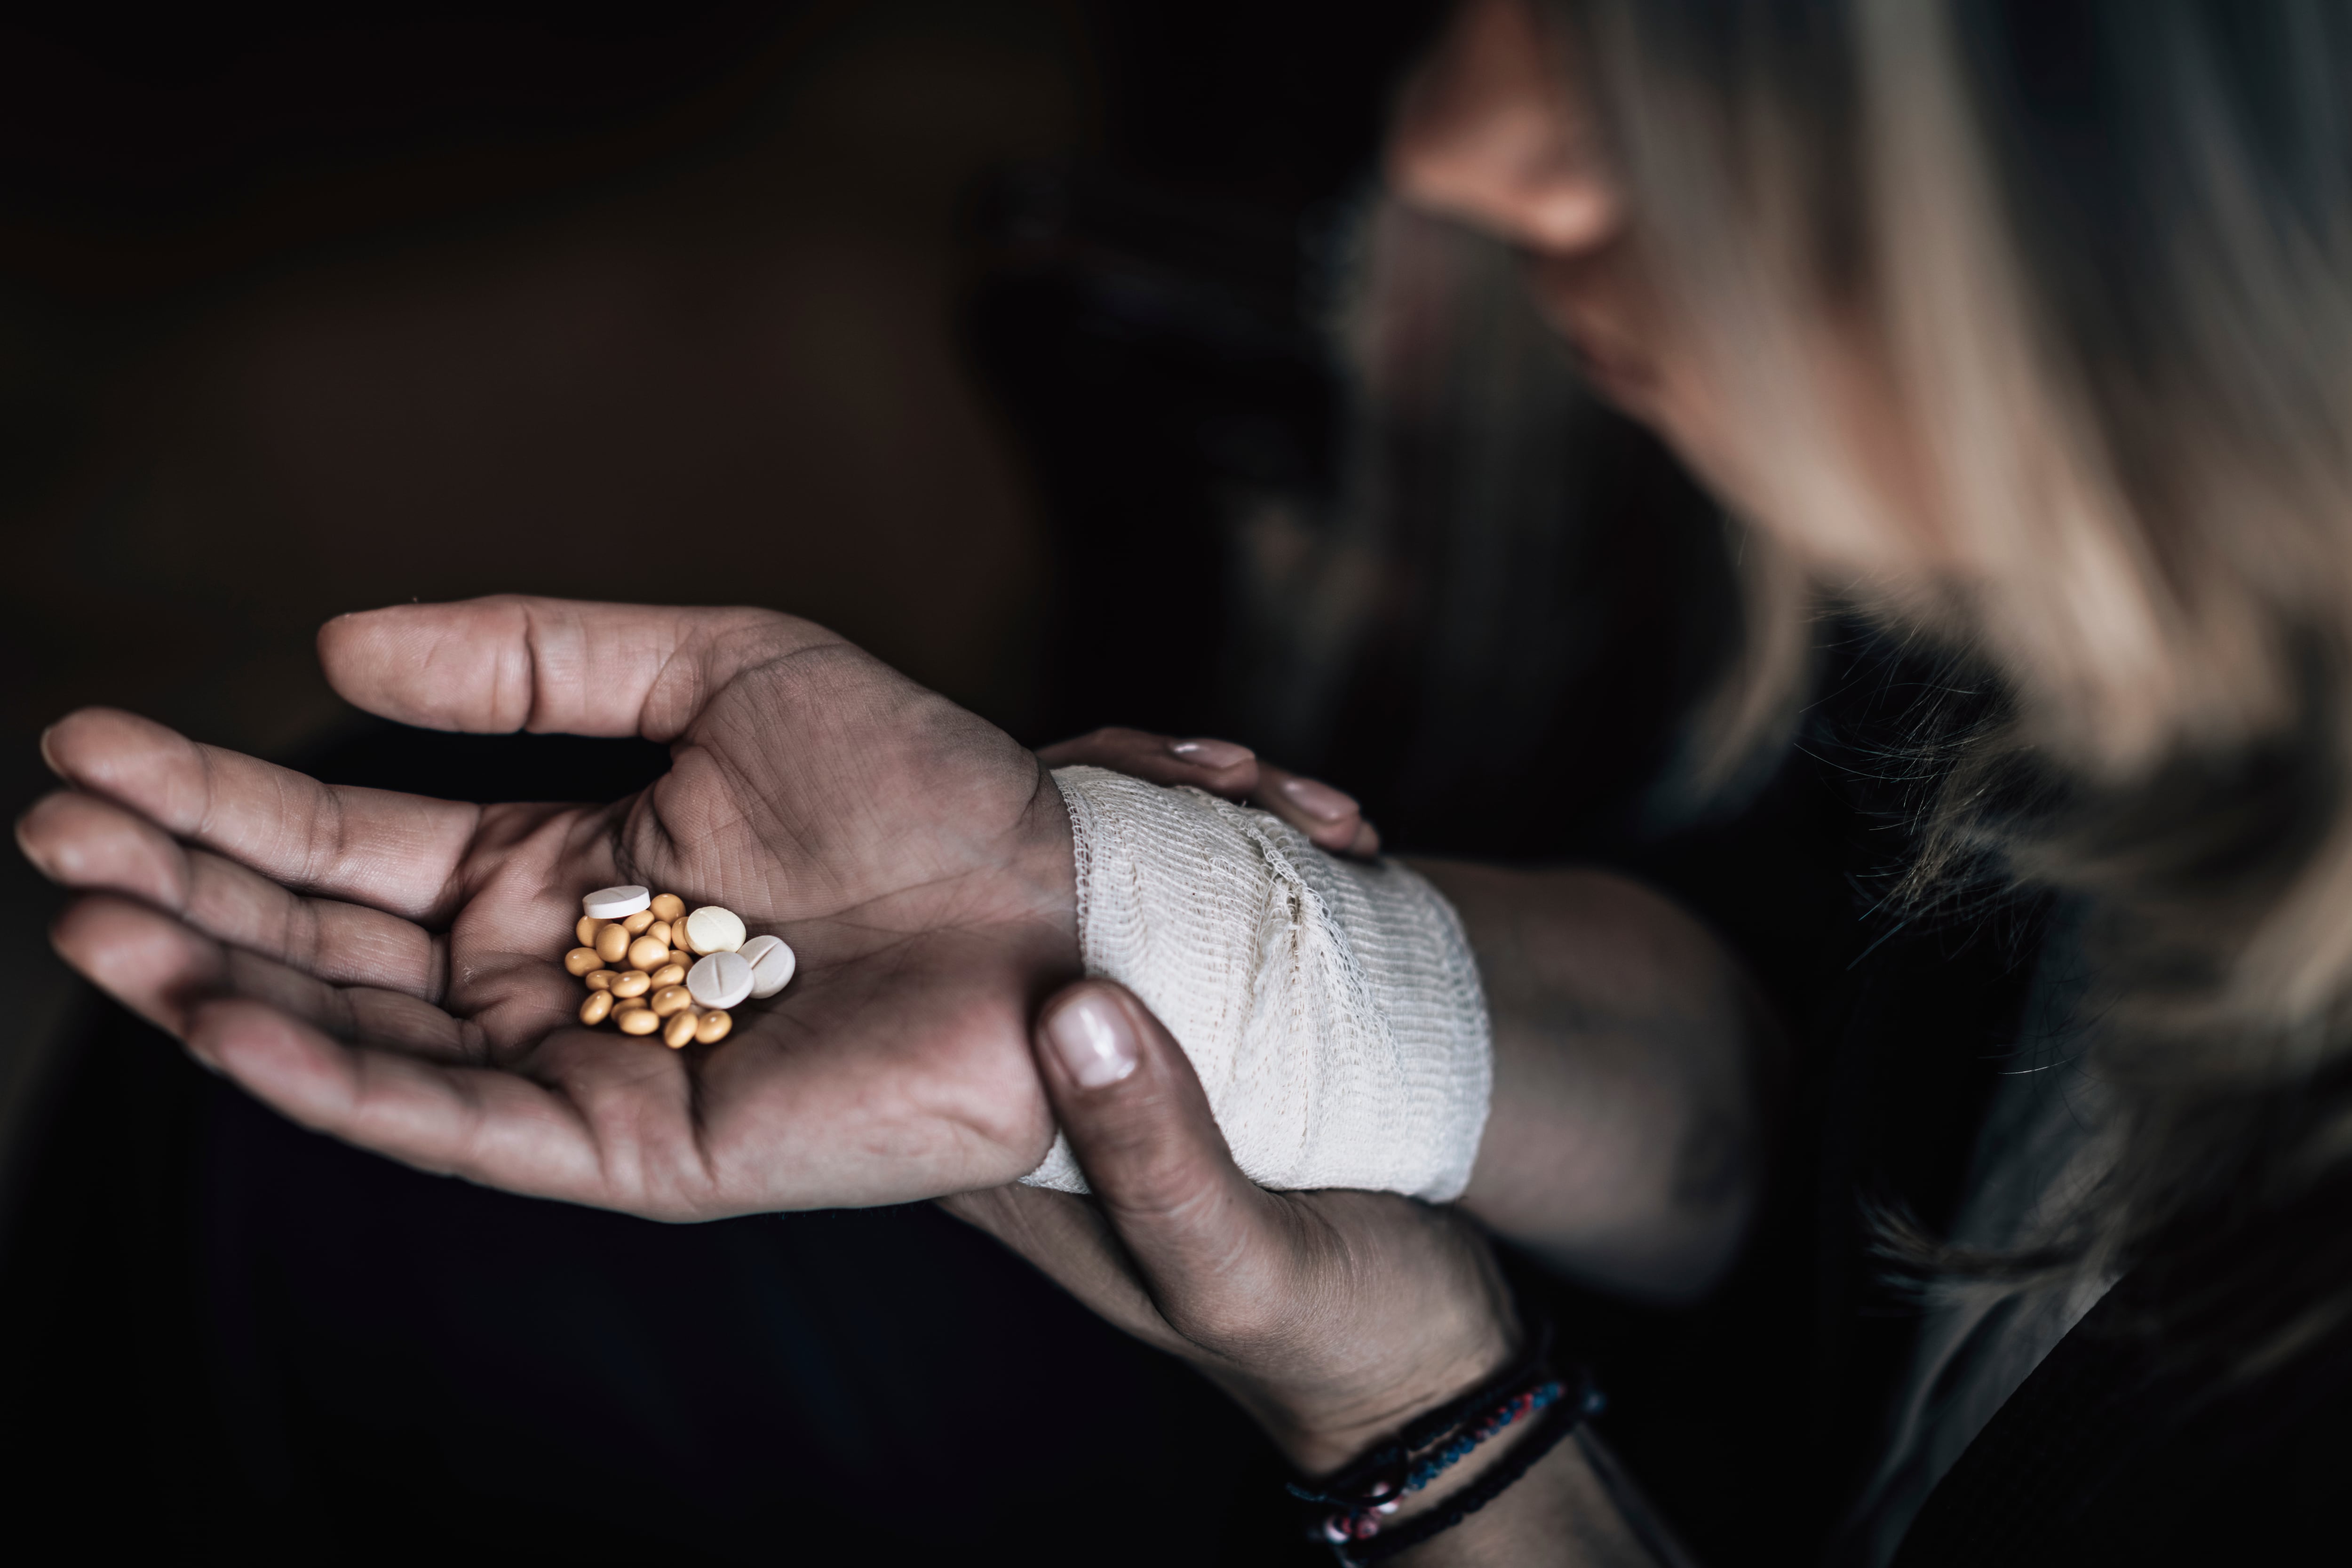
(90, 745)
(1221, 767)
(1094, 1041)
(1321, 802)
(28, 846)
(1143, 1131)
(1216, 755)
(79, 841)
(334, 636)
(147, 960)
(462, 667)
(1336, 837)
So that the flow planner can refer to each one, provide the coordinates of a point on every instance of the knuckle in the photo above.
(1149, 1181)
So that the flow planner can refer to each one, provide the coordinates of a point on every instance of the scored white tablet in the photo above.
(722, 980)
(615, 903)
(772, 960)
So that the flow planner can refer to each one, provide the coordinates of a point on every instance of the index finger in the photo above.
(550, 666)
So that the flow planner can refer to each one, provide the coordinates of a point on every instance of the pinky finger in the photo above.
(495, 1128)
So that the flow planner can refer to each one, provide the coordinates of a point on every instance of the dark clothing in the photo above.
(2102, 1458)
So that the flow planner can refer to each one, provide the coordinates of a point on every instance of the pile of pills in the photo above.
(653, 968)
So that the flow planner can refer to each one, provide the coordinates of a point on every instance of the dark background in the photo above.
(971, 329)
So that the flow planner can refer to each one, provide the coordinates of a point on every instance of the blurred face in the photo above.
(1492, 131)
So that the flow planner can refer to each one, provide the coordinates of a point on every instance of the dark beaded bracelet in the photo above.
(1359, 1497)
(1557, 1422)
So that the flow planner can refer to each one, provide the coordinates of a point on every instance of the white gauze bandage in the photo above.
(1332, 1008)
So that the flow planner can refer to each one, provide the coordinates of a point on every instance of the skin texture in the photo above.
(383, 967)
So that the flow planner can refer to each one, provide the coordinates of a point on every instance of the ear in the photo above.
(1495, 129)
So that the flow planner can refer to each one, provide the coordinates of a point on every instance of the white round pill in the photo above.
(713, 930)
(721, 980)
(772, 964)
(615, 903)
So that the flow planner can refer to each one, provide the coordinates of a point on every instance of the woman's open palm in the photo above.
(385, 967)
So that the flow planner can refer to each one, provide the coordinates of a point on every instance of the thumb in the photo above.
(1204, 1236)
(512, 662)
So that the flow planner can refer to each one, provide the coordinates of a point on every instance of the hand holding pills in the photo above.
(687, 1006)
(425, 978)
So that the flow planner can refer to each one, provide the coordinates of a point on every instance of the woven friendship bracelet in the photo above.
(1378, 1474)
(1359, 1498)
(1564, 1418)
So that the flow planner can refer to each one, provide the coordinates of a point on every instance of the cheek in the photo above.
(1841, 488)
(1632, 357)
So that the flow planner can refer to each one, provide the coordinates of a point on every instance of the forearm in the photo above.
(1568, 1054)
(1624, 1144)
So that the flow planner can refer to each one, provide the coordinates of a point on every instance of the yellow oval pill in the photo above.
(581, 960)
(639, 1021)
(596, 1009)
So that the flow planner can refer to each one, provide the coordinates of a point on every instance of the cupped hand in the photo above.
(385, 967)
(1333, 1317)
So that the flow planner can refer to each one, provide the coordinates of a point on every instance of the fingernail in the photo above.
(1092, 1037)
(1212, 753)
(1318, 799)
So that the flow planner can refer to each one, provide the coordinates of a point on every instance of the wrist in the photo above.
(1046, 865)
(1447, 1467)
(1338, 1432)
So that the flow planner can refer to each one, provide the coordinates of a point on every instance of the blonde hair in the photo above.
(2098, 259)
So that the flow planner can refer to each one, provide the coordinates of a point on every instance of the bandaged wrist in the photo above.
(1331, 1007)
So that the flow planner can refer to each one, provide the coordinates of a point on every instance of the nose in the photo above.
(1493, 130)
